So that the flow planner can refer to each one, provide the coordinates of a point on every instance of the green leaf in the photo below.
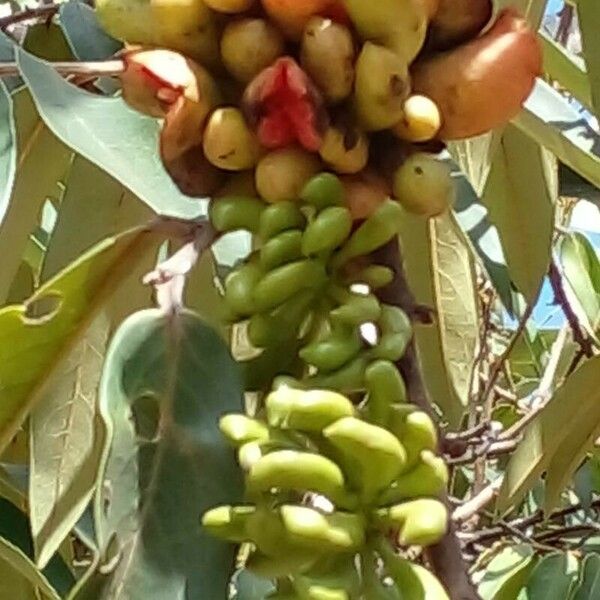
(19, 578)
(589, 17)
(43, 331)
(109, 134)
(47, 41)
(250, 587)
(557, 439)
(555, 124)
(41, 162)
(167, 380)
(8, 150)
(87, 39)
(520, 195)
(589, 582)
(507, 573)
(7, 54)
(580, 266)
(475, 157)
(553, 578)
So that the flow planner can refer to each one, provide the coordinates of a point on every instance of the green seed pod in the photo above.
(230, 213)
(293, 470)
(240, 429)
(416, 431)
(385, 387)
(283, 248)
(356, 309)
(378, 453)
(330, 228)
(228, 522)
(395, 334)
(239, 289)
(323, 190)
(287, 562)
(428, 478)
(350, 378)
(375, 276)
(310, 410)
(381, 227)
(333, 352)
(280, 217)
(419, 522)
(283, 283)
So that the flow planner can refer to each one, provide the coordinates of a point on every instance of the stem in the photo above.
(445, 557)
(46, 10)
(91, 68)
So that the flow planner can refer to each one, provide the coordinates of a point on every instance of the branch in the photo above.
(45, 10)
(90, 68)
(445, 557)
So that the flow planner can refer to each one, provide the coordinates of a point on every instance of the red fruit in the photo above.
(285, 107)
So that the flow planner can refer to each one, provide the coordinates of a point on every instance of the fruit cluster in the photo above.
(329, 485)
(351, 86)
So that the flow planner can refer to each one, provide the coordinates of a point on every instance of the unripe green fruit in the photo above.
(350, 378)
(385, 387)
(323, 190)
(240, 429)
(329, 230)
(228, 522)
(327, 56)
(282, 174)
(250, 45)
(354, 309)
(334, 351)
(230, 213)
(344, 153)
(283, 248)
(395, 334)
(239, 289)
(280, 217)
(417, 432)
(424, 185)
(287, 562)
(228, 142)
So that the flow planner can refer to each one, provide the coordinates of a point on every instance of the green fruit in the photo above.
(240, 429)
(420, 522)
(323, 190)
(428, 478)
(372, 579)
(381, 227)
(350, 378)
(228, 142)
(417, 432)
(228, 522)
(240, 287)
(250, 45)
(284, 282)
(378, 453)
(300, 471)
(310, 410)
(280, 217)
(334, 351)
(375, 276)
(424, 185)
(230, 213)
(283, 248)
(385, 387)
(345, 149)
(329, 230)
(355, 309)
(286, 563)
(395, 334)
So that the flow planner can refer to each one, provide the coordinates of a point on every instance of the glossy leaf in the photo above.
(553, 578)
(43, 331)
(507, 573)
(557, 439)
(250, 587)
(589, 17)
(167, 380)
(520, 184)
(124, 145)
(589, 581)
(8, 149)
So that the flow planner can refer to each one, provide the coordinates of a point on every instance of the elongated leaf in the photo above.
(589, 584)
(553, 578)
(507, 573)
(47, 41)
(555, 124)
(87, 39)
(589, 17)
(19, 578)
(42, 161)
(521, 184)
(579, 265)
(109, 134)
(43, 331)
(562, 431)
(250, 587)
(166, 382)
(7, 54)
(8, 149)
(475, 157)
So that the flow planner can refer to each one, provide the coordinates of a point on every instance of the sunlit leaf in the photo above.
(589, 584)
(507, 573)
(553, 578)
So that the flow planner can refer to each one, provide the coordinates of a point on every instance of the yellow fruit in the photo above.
(345, 152)
(424, 186)
(327, 56)
(381, 86)
(421, 120)
(230, 6)
(228, 142)
(248, 46)
(282, 174)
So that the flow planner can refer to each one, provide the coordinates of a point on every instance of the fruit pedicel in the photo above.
(315, 125)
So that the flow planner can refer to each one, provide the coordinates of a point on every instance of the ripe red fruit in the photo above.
(285, 107)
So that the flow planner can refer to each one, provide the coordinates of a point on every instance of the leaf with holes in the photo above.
(108, 133)
(520, 195)
(44, 330)
(554, 578)
(507, 573)
(557, 439)
(167, 380)
(589, 581)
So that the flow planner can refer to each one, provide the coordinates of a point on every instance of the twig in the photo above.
(489, 450)
(445, 557)
(45, 10)
(478, 502)
(90, 68)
